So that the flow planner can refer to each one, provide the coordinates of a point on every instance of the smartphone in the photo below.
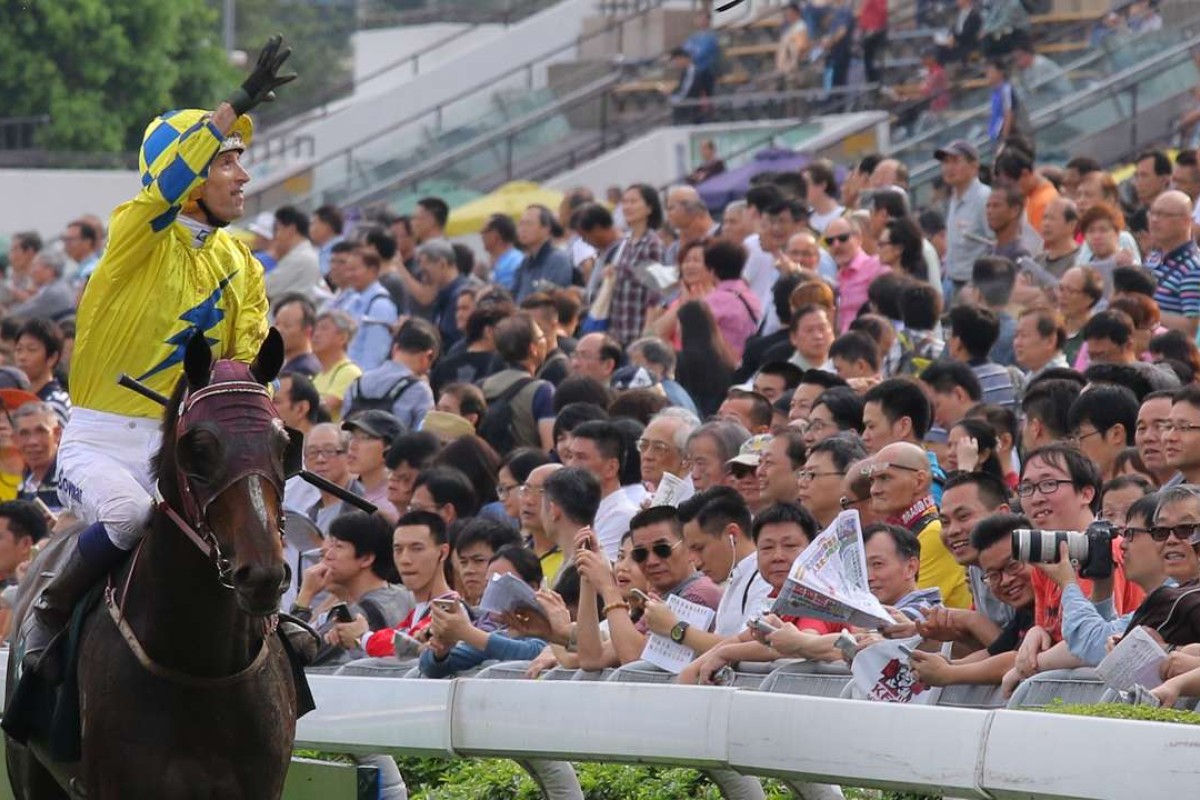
(446, 605)
(640, 595)
(847, 644)
(341, 613)
(759, 625)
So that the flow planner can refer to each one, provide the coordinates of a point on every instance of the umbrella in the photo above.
(721, 190)
(511, 199)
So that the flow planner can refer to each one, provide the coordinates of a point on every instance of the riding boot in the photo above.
(91, 559)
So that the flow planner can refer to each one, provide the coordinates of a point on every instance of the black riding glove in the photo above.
(265, 79)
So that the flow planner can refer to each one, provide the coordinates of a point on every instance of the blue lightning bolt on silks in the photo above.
(202, 317)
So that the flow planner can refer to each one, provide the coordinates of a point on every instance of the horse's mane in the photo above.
(165, 456)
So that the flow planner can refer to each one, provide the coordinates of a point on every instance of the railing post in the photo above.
(416, 64)
(1133, 117)
(508, 167)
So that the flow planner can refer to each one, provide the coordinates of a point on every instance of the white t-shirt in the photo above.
(819, 222)
(612, 521)
(760, 274)
(746, 595)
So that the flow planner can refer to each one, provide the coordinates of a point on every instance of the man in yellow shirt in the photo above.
(170, 271)
(901, 490)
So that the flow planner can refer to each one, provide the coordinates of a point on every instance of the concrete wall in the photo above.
(45, 200)
(376, 49)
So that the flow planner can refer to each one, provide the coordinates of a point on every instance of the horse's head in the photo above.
(226, 454)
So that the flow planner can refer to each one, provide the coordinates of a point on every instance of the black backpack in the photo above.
(497, 426)
(360, 402)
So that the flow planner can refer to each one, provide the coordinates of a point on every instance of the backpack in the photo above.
(360, 402)
(497, 426)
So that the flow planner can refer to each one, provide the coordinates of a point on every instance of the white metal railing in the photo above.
(952, 751)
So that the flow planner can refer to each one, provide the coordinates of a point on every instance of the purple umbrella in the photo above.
(721, 190)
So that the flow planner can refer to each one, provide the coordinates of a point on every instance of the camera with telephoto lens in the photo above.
(1092, 549)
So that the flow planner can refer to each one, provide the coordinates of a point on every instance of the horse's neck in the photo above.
(178, 609)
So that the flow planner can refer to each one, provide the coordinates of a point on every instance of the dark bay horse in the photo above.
(185, 691)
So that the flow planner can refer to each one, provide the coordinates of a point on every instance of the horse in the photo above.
(185, 690)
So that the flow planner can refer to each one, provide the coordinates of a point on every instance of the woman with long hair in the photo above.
(705, 366)
(630, 297)
(901, 248)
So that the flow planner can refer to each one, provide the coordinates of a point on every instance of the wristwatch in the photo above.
(679, 631)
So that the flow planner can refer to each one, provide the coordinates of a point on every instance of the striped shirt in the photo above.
(1178, 274)
(997, 384)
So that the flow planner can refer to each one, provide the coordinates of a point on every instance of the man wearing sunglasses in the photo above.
(659, 550)
(856, 269)
(901, 491)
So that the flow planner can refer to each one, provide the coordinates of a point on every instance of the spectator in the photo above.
(630, 295)
(835, 411)
(597, 356)
(296, 319)
(1060, 224)
(1038, 342)
(921, 337)
(653, 355)
(901, 489)
(811, 335)
(52, 298)
(38, 351)
(1015, 167)
(972, 445)
(298, 403)
(408, 455)
(776, 378)
(749, 409)
(688, 215)
(463, 400)
(325, 229)
(662, 444)
(705, 365)
(1009, 116)
(873, 28)
(964, 34)
(563, 501)
(819, 480)
(901, 249)
(420, 549)
(18, 284)
(597, 447)
(298, 270)
(856, 269)
(1005, 209)
(704, 46)
(1175, 262)
(1108, 337)
(371, 433)
(1102, 422)
(478, 360)
(372, 309)
(521, 345)
(325, 449)
(1153, 415)
(855, 355)
(81, 241)
(37, 430)
(777, 466)
(22, 525)
(973, 333)
(355, 569)
(969, 498)
(444, 491)
(658, 547)
(544, 266)
(822, 194)
(1079, 291)
(460, 644)
(1179, 434)
(1037, 76)
(475, 546)
(710, 448)
(838, 44)
(1005, 25)
(966, 218)
(993, 279)
(399, 384)
(1045, 407)
(691, 87)
(711, 164)
(953, 388)
(499, 238)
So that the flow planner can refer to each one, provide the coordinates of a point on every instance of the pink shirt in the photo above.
(853, 281)
(737, 312)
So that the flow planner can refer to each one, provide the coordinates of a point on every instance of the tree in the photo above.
(102, 70)
(319, 33)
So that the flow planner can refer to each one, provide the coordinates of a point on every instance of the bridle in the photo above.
(192, 518)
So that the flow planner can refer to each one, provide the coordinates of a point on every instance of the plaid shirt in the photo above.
(627, 315)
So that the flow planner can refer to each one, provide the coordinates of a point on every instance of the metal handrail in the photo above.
(1056, 112)
(526, 67)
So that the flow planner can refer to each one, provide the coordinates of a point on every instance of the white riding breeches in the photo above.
(104, 471)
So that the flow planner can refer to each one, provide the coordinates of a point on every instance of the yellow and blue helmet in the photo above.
(166, 128)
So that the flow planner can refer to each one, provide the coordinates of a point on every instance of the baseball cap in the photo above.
(377, 423)
(263, 225)
(959, 147)
(752, 450)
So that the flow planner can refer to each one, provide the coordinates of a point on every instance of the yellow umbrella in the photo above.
(511, 199)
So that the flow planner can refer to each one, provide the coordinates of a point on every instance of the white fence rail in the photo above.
(952, 751)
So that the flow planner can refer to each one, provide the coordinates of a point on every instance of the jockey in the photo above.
(170, 270)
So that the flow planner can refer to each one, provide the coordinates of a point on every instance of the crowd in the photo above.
(1025, 358)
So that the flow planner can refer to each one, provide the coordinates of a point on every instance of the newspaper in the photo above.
(829, 579)
(668, 655)
(1135, 660)
(506, 593)
(656, 277)
(670, 491)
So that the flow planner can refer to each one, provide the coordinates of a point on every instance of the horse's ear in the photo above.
(197, 361)
(269, 360)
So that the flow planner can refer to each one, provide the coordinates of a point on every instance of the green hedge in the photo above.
(1123, 711)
